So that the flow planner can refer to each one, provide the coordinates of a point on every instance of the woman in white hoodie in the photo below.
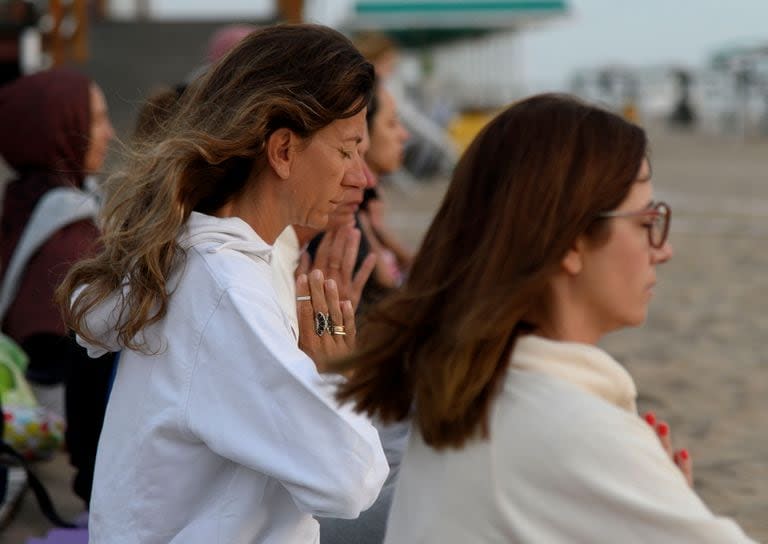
(219, 428)
(524, 430)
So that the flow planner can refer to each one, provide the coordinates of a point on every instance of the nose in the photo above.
(404, 134)
(356, 175)
(663, 254)
(370, 178)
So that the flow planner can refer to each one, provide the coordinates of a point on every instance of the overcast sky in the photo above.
(638, 32)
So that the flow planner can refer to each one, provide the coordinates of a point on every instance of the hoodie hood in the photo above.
(585, 366)
(202, 233)
(46, 119)
(49, 115)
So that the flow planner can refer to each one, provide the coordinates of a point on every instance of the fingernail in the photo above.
(650, 417)
(330, 284)
(683, 454)
(662, 428)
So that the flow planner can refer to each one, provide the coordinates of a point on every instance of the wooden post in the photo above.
(57, 44)
(291, 11)
(80, 39)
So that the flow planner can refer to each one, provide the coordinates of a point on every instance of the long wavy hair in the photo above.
(534, 180)
(300, 77)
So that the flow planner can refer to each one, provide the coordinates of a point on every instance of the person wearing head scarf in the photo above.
(56, 131)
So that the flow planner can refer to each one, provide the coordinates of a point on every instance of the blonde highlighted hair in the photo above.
(300, 77)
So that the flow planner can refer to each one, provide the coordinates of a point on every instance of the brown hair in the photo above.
(300, 77)
(531, 182)
(156, 112)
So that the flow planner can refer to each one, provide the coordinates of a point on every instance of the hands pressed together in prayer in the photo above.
(328, 292)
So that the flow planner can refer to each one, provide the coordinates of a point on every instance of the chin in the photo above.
(636, 320)
(317, 223)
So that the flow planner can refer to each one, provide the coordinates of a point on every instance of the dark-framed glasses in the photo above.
(659, 215)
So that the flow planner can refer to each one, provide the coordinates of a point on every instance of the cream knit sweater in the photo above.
(569, 461)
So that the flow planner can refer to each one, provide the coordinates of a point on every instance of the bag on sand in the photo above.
(30, 429)
(15, 473)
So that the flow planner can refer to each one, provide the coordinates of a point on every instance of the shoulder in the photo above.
(566, 421)
(68, 244)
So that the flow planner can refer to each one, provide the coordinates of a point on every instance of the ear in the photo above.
(573, 261)
(280, 151)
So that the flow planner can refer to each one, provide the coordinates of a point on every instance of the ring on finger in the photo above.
(338, 330)
(303, 297)
(334, 266)
(322, 323)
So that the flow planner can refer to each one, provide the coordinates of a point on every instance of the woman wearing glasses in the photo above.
(524, 430)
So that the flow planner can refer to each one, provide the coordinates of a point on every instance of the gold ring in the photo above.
(339, 330)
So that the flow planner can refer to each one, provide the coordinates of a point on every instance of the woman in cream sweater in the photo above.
(525, 431)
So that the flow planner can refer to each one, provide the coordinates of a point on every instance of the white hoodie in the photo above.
(227, 433)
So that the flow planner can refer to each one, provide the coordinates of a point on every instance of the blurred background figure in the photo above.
(61, 132)
(683, 114)
(385, 156)
(19, 40)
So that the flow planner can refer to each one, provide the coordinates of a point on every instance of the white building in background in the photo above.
(470, 49)
(190, 10)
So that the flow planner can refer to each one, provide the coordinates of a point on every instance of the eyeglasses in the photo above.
(659, 214)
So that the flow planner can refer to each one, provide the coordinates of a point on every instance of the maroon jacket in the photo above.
(45, 120)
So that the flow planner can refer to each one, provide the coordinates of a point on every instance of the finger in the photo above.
(317, 291)
(348, 312)
(365, 225)
(336, 251)
(662, 430)
(323, 248)
(650, 418)
(332, 297)
(685, 463)
(303, 307)
(304, 315)
(351, 249)
(305, 263)
(363, 273)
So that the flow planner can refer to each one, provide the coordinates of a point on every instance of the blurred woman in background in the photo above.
(56, 133)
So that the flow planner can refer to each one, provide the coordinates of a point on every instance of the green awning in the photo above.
(424, 22)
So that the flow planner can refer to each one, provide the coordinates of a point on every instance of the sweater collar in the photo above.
(583, 365)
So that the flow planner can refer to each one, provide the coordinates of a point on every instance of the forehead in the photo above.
(98, 102)
(641, 192)
(351, 129)
(386, 102)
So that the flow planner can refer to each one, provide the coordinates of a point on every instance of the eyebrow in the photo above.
(356, 139)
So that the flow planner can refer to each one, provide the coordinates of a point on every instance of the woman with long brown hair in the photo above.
(523, 429)
(219, 428)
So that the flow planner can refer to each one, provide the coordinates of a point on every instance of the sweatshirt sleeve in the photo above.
(599, 474)
(256, 399)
